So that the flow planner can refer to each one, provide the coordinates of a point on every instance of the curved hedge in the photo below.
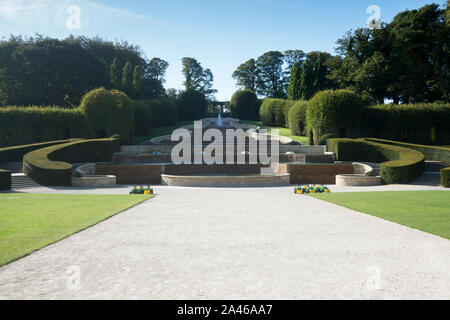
(244, 105)
(5, 180)
(16, 153)
(431, 153)
(275, 112)
(398, 164)
(323, 139)
(297, 118)
(334, 111)
(52, 165)
(445, 177)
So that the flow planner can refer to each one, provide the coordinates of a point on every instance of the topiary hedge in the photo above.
(107, 113)
(445, 177)
(431, 153)
(297, 118)
(244, 105)
(5, 180)
(192, 105)
(275, 112)
(52, 165)
(165, 112)
(15, 154)
(425, 123)
(334, 111)
(323, 139)
(398, 165)
(26, 125)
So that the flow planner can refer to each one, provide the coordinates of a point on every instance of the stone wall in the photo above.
(317, 174)
(131, 174)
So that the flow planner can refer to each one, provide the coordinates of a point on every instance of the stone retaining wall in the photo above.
(317, 173)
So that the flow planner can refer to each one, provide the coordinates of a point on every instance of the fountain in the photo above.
(219, 122)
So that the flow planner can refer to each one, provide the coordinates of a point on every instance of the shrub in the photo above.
(15, 154)
(445, 177)
(52, 165)
(274, 112)
(297, 118)
(337, 112)
(143, 118)
(5, 180)
(244, 105)
(323, 139)
(398, 164)
(108, 113)
(164, 111)
(425, 123)
(192, 105)
(27, 125)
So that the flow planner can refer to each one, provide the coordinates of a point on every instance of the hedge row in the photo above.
(19, 125)
(5, 180)
(431, 153)
(275, 112)
(52, 165)
(15, 154)
(398, 164)
(419, 123)
(297, 118)
(445, 177)
(156, 113)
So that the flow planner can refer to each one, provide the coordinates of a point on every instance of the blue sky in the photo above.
(221, 34)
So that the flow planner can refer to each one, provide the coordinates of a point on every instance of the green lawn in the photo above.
(428, 211)
(157, 132)
(285, 132)
(32, 221)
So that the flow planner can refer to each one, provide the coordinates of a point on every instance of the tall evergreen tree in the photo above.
(127, 78)
(294, 89)
(307, 80)
(138, 83)
(116, 74)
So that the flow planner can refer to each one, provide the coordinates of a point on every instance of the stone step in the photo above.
(22, 181)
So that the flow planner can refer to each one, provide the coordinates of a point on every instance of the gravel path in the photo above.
(236, 244)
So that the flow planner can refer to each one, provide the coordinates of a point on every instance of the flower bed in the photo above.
(142, 190)
(311, 189)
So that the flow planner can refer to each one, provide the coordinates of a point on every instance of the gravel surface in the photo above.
(235, 244)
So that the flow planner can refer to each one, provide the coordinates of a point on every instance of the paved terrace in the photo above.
(236, 244)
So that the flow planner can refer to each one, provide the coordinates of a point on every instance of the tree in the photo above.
(246, 75)
(172, 93)
(197, 78)
(291, 57)
(156, 69)
(127, 78)
(294, 89)
(307, 80)
(116, 74)
(271, 81)
(138, 83)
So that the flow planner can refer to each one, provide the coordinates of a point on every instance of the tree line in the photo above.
(45, 71)
(406, 61)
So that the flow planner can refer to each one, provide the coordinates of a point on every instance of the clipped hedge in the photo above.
(143, 118)
(26, 125)
(107, 113)
(425, 123)
(52, 165)
(5, 180)
(297, 118)
(192, 105)
(15, 154)
(244, 105)
(164, 110)
(398, 164)
(323, 139)
(275, 112)
(334, 111)
(445, 177)
(431, 153)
